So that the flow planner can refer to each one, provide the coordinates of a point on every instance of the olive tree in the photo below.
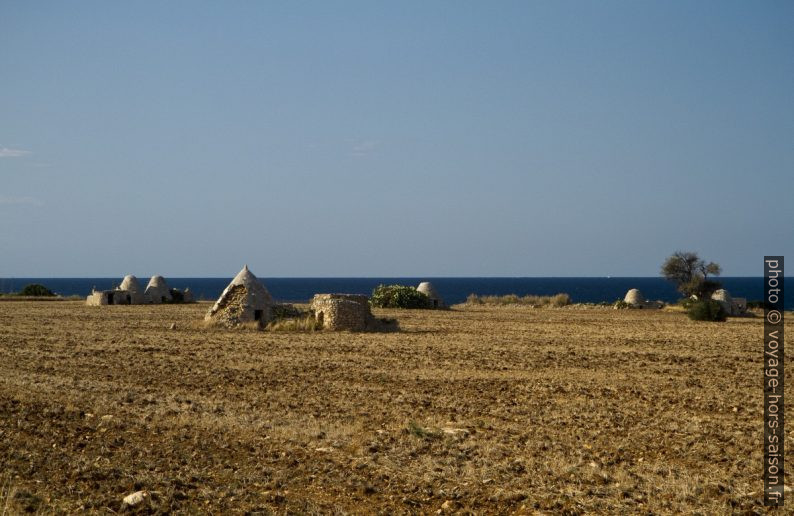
(690, 274)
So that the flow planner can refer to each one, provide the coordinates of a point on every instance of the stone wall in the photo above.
(108, 297)
(96, 298)
(343, 312)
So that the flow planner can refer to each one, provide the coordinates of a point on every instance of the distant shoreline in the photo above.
(454, 290)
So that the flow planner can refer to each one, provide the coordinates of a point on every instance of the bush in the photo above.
(707, 310)
(621, 305)
(34, 289)
(559, 300)
(399, 296)
(686, 302)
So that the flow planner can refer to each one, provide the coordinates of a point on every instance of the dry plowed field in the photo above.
(481, 410)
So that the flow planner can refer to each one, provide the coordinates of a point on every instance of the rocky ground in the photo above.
(482, 410)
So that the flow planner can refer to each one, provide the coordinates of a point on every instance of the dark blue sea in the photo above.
(453, 290)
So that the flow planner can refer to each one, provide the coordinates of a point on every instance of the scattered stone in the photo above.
(172, 327)
(447, 506)
(133, 499)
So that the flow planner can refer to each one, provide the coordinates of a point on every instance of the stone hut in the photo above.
(342, 312)
(724, 299)
(133, 287)
(635, 298)
(430, 291)
(732, 306)
(108, 297)
(245, 300)
(157, 291)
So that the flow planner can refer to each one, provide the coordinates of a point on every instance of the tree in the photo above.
(691, 274)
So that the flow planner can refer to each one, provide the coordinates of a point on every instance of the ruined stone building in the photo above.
(342, 312)
(131, 293)
(245, 300)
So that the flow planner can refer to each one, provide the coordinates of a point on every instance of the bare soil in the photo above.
(480, 409)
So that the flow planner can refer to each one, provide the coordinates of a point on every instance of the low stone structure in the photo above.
(635, 299)
(244, 300)
(343, 312)
(733, 306)
(430, 291)
(130, 284)
(108, 297)
(157, 291)
(130, 293)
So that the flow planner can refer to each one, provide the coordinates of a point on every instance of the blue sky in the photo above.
(393, 139)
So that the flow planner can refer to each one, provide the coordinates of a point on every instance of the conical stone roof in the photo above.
(130, 284)
(244, 299)
(430, 291)
(157, 290)
(634, 297)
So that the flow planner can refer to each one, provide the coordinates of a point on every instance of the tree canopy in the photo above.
(690, 274)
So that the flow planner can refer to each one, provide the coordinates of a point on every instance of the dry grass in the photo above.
(305, 323)
(557, 300)
(486, 409)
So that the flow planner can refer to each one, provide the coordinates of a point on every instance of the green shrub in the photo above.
(621, 305)
(399, 296)
(707, 310)
(34, 289)
(686, 302)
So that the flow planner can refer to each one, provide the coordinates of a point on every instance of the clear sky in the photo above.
(342, 138)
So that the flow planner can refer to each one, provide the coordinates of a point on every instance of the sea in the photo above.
(453, 290)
